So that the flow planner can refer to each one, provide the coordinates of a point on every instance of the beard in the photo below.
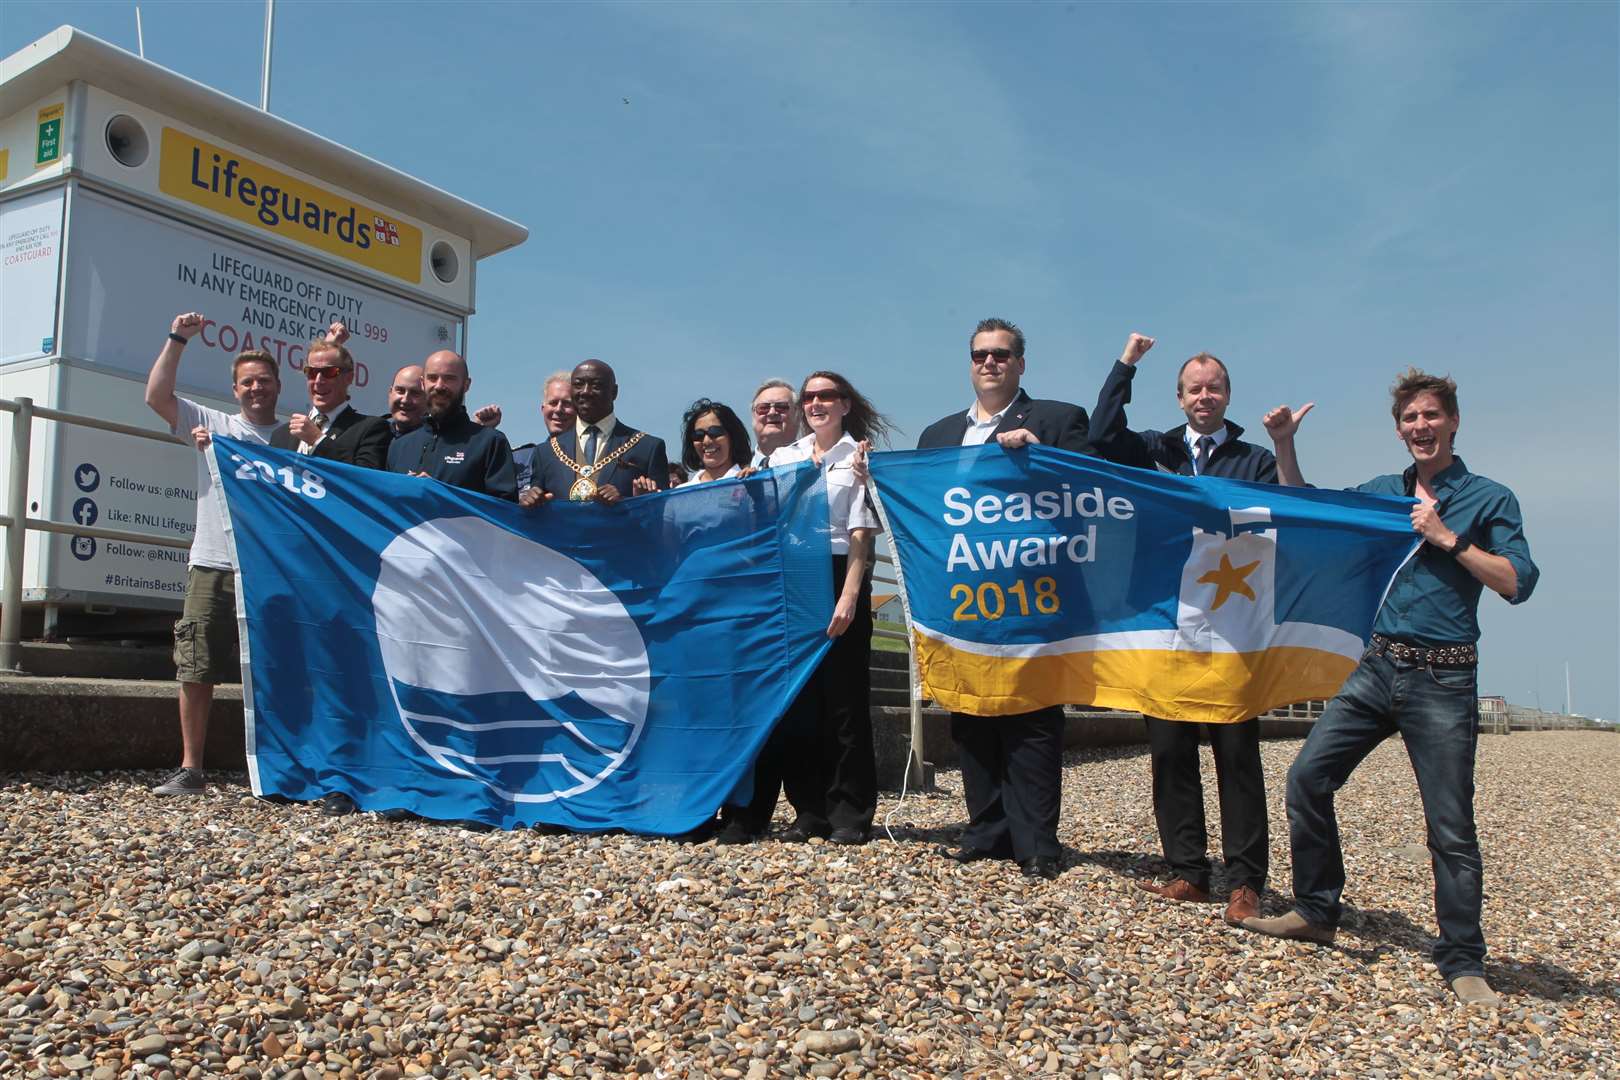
(441, 402)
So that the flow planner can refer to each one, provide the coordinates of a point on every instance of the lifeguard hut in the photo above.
(129, 193)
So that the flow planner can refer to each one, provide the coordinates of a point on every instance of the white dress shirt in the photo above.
(1191, 437)
(847, 507)
(979, 431)
(604, 429)
(699, 478)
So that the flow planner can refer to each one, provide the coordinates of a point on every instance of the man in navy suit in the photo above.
(600, 457)
(334, 429)
(1012, 766)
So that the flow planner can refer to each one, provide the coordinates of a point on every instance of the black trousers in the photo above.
(1178, 800)
(1012, 781)
(821, 751)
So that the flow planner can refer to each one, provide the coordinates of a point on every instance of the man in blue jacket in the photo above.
(450, 445)
(1208, 444)
(600, 458)
(1419, 677)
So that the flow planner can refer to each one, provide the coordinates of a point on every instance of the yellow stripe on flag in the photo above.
(1206, 687)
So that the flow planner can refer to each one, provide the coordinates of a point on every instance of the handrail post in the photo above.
(919, 759)
(22, 425)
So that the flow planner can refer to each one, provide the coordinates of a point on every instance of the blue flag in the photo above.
(1043, 577)
(417, 646)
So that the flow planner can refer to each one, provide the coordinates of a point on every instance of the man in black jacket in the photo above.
(600, 457)
(450, 445)
(333, 429)
(1208, 444)
(1012, 766)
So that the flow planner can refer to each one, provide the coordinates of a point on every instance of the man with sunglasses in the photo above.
(205, 635)
(1012, 766)
(776, 420)
(332, 428)
(600, 458)
(1208, 444)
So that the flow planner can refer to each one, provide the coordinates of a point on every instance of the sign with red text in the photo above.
(30, 263)
(132, 272)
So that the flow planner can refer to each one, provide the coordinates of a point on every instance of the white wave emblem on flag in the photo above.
(509, 662)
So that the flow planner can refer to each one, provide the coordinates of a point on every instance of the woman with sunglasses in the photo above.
(714, 442)
(821, 751)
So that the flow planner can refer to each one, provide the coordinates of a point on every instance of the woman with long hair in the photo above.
(821, 752)
(714, 442)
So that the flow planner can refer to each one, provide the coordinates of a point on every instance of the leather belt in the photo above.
(1439, 656)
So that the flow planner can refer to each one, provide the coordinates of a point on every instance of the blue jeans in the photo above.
(1436, 712)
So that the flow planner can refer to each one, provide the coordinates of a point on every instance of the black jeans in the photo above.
(1436, 712)
(1178, 800)
(1012, 781)
(820, 752)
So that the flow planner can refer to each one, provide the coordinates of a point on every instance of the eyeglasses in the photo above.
(984, 356)
(826, 397)
(316, 374)
(715, 432)
(765, 408)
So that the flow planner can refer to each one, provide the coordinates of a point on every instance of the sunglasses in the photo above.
(983, 356)
(826, 397)
(316, 374)
(765, 408)
(715, 432)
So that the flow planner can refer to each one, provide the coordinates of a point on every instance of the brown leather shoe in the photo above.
(1176, 889)
(1244, 904)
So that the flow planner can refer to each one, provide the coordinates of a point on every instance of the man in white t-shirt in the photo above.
(205, 635)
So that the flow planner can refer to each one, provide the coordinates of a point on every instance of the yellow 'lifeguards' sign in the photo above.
(255, 194)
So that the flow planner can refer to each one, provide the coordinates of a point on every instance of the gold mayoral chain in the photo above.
(584, 488)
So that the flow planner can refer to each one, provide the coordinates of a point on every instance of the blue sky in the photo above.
(1319, 194)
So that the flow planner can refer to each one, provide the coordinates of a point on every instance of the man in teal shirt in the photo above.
(1418, 677)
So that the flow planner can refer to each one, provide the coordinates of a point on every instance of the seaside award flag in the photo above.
(1042, 577)
(417, 646)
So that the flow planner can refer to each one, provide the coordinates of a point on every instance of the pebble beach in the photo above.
(225, 935)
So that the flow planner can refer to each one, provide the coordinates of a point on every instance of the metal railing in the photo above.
(17, 522)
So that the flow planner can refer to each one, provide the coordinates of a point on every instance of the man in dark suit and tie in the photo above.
(333, 429)
(1012, 766)
(1208, 444)
(600, 457)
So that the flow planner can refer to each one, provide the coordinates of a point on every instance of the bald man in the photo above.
(450, 445)
(601, 458)
(407, 401)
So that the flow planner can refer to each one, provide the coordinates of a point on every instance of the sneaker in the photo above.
(183, 782)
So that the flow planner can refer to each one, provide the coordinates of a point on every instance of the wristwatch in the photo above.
(1462, 545)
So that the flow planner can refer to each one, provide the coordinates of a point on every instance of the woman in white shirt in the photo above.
(821, 751)
(714, 442)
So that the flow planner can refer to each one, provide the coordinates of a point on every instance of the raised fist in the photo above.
(1136, 347)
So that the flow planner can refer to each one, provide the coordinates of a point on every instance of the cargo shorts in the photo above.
(205, 639)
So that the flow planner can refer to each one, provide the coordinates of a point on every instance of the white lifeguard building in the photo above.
(129, 193)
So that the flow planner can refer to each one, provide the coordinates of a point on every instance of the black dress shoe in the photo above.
(848, 837)
(798, 834)
(1040, 866)
(735, 832)
(337, 804)
(964, 854)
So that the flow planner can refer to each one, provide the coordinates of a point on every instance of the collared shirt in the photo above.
(1191, 437)
(603, 426)
(1434, 600)
(326, 424)
(699, 478)
(847, 506)
(979, 431)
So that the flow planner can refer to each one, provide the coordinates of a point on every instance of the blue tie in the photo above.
(1206, 443)
(590, 444)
